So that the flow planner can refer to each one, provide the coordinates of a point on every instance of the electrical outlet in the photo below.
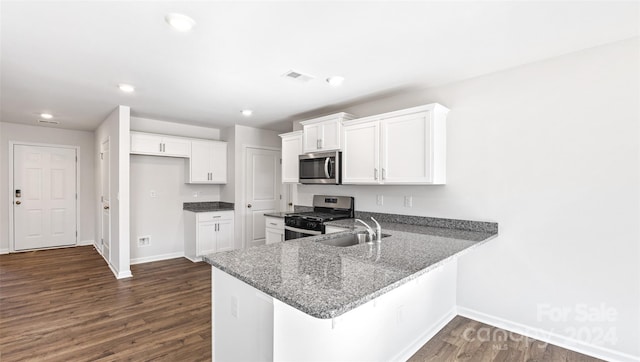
(144, 241)
(408, 201)
(195, 194)
(153, 193)
(379, 200)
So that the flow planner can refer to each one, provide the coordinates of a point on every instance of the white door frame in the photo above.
(101, 205)
(244, 185)
(12, 237)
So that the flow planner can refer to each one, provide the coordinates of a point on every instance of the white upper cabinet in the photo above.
(291, 149)
(324, 133)
(208, 162)
(159, 145)
(406, 147)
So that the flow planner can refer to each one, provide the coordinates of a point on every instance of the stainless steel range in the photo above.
(325, 208)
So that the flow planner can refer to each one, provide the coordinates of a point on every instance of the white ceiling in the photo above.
(67, 58)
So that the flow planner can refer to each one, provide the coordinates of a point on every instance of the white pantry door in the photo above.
(44, 197)
(262, 191)
(105, 201)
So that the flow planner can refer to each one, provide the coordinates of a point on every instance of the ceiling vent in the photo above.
(45, 121)
(299, 76)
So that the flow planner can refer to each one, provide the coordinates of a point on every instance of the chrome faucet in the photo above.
(373, 235)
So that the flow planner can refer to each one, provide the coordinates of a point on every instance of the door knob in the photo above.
(106, 207)
(18, 202)
(249, 206)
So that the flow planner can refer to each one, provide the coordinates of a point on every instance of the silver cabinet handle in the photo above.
(320, 143)
(160, 147)
(383, 174)
(375, 173)
(273, 223)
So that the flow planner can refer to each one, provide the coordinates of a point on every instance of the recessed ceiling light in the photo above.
(335, 81)
(246, 112)
(127, 88)
(180, 22)
(46, 115)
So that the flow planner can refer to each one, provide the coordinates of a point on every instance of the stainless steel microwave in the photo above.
(320, 168)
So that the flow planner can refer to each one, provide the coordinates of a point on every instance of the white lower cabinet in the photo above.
(207, 233)
(274, 229)
(406, 147)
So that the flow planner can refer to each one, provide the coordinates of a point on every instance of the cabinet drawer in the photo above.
(214, 216)
(274, 222)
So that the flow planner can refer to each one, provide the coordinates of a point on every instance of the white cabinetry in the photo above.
(324, 133)
(208, 162)
(274, 229)
(291, 149)
(159, 145)
(403, 147)
(207, 233)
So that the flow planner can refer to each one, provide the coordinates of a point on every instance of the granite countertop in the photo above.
(278, 214)
(327, 281)
(207, 206)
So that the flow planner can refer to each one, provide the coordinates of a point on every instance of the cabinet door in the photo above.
(177, 147)
(274, 236)
(291, 149)
(200, 162)
(146, 144)
(360, 153)
(312, 134)
(206, 240)
(219, 163)
(330, 135)
(224, 235)
(406, 149)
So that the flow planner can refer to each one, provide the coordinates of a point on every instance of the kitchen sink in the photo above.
(349, 240)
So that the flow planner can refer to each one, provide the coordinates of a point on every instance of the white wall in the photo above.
(48, 135)
(116, 128)
(162, 217)
(550, 151)
(239, 137)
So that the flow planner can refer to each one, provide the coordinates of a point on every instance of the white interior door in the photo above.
(262, 191)
(44, 197)
(105, 200)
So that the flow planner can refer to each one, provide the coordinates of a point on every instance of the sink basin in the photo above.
(349, 240)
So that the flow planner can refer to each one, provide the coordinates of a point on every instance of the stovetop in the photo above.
(320, 216)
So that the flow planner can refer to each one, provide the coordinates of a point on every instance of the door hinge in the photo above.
(101, 241)
(76, 233)
(101, 156)
(280, 196)
(281, 161)
(101, 198)
(76, 158)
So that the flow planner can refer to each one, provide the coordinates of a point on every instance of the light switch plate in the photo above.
(408, 201)
(379, 200)
(153, 193)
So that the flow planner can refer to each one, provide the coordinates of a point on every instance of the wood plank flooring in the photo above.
(66, 305)
(464, 339)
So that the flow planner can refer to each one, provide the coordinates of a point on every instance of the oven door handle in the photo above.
(326, 167)
(303, 231)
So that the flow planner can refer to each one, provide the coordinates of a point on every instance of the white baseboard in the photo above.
(85, 242)
(4, 251)
(549, 337)
(431, 331)
(148, 259)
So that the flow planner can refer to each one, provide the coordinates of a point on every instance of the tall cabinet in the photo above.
(406, 147)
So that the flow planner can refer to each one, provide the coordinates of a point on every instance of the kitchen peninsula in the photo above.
(304, 300)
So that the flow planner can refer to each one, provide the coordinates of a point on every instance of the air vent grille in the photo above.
(44, 121)
(298, 76)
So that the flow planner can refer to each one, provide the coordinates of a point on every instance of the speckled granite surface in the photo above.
(482, 226)
(327, 281)
(207, 206)
(278, 214)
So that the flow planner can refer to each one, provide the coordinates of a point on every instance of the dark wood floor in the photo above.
(464, 339)
(66, 305)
